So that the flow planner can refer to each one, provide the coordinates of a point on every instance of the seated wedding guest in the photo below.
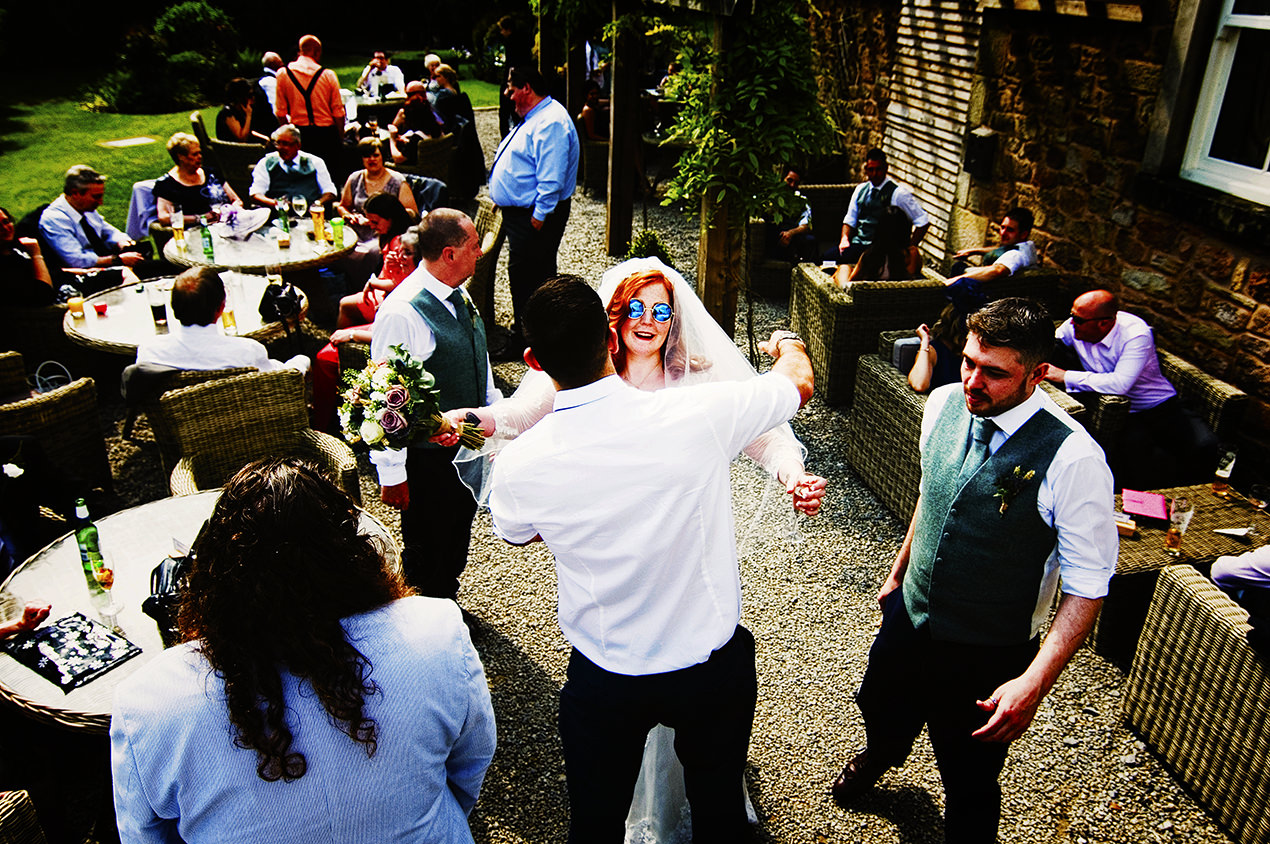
(23, 271)
(414, 120)
(891, 256)
(78, 235)
(31, 481)
(938, 359)
(237, 119)
(195, 341)
(593, 117)
(1247, 578)
(357, 310)
(188, 185)
(289, 172)
(790, 238)
(374, 178)
(380, 77)
(314, 697)
(1163, 443)
(871, 197)
(430, 64)
(1014, 251)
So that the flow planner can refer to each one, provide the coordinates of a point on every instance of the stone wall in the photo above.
(1071, 101)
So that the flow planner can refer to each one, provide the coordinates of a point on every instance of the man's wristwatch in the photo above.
(779, 337)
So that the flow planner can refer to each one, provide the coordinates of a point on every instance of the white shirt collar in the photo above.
(588, 393)
(439, 289)
(1011, 420)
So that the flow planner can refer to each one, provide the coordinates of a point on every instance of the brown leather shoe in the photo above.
(857, 777)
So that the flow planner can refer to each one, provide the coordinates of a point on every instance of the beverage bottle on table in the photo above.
(1221, 477)
(89, 546)
(208, 252)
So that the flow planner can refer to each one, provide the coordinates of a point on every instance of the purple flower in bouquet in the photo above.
(396, 397)
(391, 421)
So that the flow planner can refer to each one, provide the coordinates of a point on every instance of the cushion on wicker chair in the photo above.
(223, 425)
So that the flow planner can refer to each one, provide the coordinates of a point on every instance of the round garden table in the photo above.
(134, 541)
(259, 250)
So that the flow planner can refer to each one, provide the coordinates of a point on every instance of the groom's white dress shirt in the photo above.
(631, 491)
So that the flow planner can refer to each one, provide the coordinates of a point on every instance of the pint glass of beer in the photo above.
(1180, 512)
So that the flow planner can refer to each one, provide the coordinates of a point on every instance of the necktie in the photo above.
(456, 299)
(94, 240)
(981, 431)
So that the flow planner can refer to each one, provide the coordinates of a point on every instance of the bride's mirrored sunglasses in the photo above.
(662, 312)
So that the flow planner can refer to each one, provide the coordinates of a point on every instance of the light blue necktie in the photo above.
(981, 431)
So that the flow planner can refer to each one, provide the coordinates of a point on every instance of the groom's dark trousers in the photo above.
(604, 722)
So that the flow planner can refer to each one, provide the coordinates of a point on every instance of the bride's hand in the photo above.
(808, 491)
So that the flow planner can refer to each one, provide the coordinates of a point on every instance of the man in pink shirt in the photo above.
(308, 96)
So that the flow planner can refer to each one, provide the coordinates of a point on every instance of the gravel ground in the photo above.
(1077, 775)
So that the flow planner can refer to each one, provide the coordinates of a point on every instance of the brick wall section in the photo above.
(1071, 100)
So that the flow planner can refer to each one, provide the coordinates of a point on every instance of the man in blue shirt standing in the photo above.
(534, 174)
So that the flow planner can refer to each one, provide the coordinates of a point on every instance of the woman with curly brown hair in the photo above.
(314, 697)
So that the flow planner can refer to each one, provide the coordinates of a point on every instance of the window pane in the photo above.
(1242, 135)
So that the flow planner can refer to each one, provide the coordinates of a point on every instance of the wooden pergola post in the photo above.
(719, 247)
(624, 112)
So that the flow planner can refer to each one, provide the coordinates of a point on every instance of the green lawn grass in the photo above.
(39, 141)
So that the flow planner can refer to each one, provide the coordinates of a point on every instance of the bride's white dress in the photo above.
(659, 809)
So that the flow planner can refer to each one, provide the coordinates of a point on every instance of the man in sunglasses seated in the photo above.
(1113, 351)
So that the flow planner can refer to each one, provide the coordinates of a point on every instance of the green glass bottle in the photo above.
(208, 252)
(89, 546)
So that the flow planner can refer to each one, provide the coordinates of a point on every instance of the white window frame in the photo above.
(1197, 166)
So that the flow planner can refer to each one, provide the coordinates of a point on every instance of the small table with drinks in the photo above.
(118, 320)
(290, 249)
(1194, 539)
(132, 543)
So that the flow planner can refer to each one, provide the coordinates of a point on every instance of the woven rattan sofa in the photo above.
(841, 324)
(1198, 694)
(885, 425)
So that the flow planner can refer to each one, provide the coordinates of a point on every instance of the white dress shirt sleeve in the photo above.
(1242, 571)
(904, 200)
(325, 183)
(852, 217)
(1083, 506)
(1132, 359)
(259, 179)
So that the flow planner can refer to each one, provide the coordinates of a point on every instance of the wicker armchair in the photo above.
(223, 425)
(232, 160)
(434, 157)
(65, 422)
(489, 227)
(884, 429)
(841, 324)
(1198, 694)
(18, 822)
(146, 400)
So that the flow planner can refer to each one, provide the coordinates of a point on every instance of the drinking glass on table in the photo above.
(104, 574)
(1180, 512)
(300, 205)
(178, 225)
(1259, 496)
(1225, 465)
(158, 303)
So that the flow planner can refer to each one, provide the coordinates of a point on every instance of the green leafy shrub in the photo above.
(183, 62)
(646, 243)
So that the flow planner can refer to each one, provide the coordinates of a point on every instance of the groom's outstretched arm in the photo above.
(791, 361)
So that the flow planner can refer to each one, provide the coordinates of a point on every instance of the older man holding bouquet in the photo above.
(431, 317)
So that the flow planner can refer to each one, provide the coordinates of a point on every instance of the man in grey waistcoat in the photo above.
(431, 315)
(1014, 495)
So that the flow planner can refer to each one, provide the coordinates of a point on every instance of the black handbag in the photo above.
(167, 582)
(280, 303)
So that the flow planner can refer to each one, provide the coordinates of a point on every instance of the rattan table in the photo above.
(135, 541)
(259, 250)
(1142, 556)
(128, 322)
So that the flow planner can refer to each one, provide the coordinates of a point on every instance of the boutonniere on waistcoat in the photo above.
(1010, 485)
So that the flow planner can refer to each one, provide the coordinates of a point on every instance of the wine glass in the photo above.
(300, 205)
(104, 574)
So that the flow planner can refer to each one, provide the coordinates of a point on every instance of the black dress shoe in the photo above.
(857, 777)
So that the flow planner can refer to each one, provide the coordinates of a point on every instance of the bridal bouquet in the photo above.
(393, 403)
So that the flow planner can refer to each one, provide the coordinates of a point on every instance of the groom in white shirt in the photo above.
(631, 492)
